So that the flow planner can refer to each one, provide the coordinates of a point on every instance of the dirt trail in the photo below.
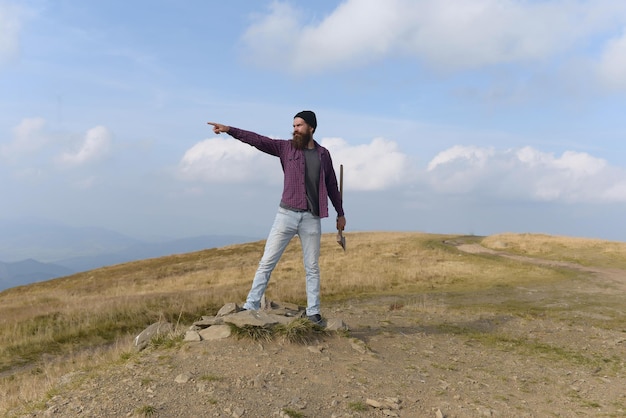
(616, 277)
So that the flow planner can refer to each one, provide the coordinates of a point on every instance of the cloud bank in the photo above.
(513, 174)
(450, 36)
(32, 143)
(526, 173)
(95, 145)
(368, 167)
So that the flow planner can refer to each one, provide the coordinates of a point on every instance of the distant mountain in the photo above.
(49, 241)
(32, 251)
(29, 271)
(143, 250)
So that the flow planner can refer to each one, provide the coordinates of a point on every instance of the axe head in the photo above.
(341, 240)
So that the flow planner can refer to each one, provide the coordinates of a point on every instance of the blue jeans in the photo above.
(286, 225)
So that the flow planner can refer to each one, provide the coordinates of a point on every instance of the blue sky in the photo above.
(449, 116)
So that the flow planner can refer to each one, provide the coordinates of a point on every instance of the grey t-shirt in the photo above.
(312, 180)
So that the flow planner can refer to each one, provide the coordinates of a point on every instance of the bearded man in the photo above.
(309, 181)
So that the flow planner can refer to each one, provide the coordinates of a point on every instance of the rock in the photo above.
(387, 404)
(192, 336)
(158, 328)
(392, 403)
(207, 321)
(484, 411)
(298, 403)
(238, 412)
(336, 324)
(373, 403)
(228, 309)
(182, 378)
(315, 349)
(255, 319)
(359, 346)
(271, 314)
(216, 332)
(285, 309)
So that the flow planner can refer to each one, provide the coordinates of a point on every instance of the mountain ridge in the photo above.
(29, 271)
(34, 251)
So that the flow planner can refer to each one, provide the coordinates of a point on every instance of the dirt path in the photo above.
(433, 355)
(615, 277)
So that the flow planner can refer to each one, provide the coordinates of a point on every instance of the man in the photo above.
(309, 181)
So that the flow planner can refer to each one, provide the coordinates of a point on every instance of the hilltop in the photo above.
(506, 326)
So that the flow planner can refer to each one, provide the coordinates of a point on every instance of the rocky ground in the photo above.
(419, 356)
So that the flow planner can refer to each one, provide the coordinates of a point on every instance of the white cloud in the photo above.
(527, 173)
(224, 160)
(612, 66)
(476, 155)
(374, 166)
(9, 31)
(28, 137)
(450, 35)
(95, 145)
(266, 39)
(33, 144)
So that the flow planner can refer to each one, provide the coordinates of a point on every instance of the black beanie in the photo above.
(309, 118)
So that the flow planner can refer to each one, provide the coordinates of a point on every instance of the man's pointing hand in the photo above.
(218, 128)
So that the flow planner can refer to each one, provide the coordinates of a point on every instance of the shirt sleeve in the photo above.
(260, 142)
(332, 187)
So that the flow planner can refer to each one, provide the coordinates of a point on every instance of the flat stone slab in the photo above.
(216, 332)
(208, 321)
(256, 319)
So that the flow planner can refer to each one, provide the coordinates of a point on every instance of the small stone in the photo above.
(228, 309)
(192, 336)
(373, 403)
(359, 345)
(238, 412)
(316, 350)
(336, 324)
(182, 378)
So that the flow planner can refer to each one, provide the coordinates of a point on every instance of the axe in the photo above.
(341, 240)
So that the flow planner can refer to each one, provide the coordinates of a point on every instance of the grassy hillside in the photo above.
(51, 328)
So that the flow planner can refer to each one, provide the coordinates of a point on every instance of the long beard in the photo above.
(300, 141)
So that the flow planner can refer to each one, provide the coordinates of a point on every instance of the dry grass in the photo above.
(79, 322)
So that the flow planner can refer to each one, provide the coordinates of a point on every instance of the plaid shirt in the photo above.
(292, 161)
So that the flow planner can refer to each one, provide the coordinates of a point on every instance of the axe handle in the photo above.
(341, 182)
(340, 239)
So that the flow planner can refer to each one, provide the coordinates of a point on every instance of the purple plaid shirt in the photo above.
(292, 161)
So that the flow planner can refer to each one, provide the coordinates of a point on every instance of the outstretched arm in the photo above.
(218, 128)
(262, 143)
